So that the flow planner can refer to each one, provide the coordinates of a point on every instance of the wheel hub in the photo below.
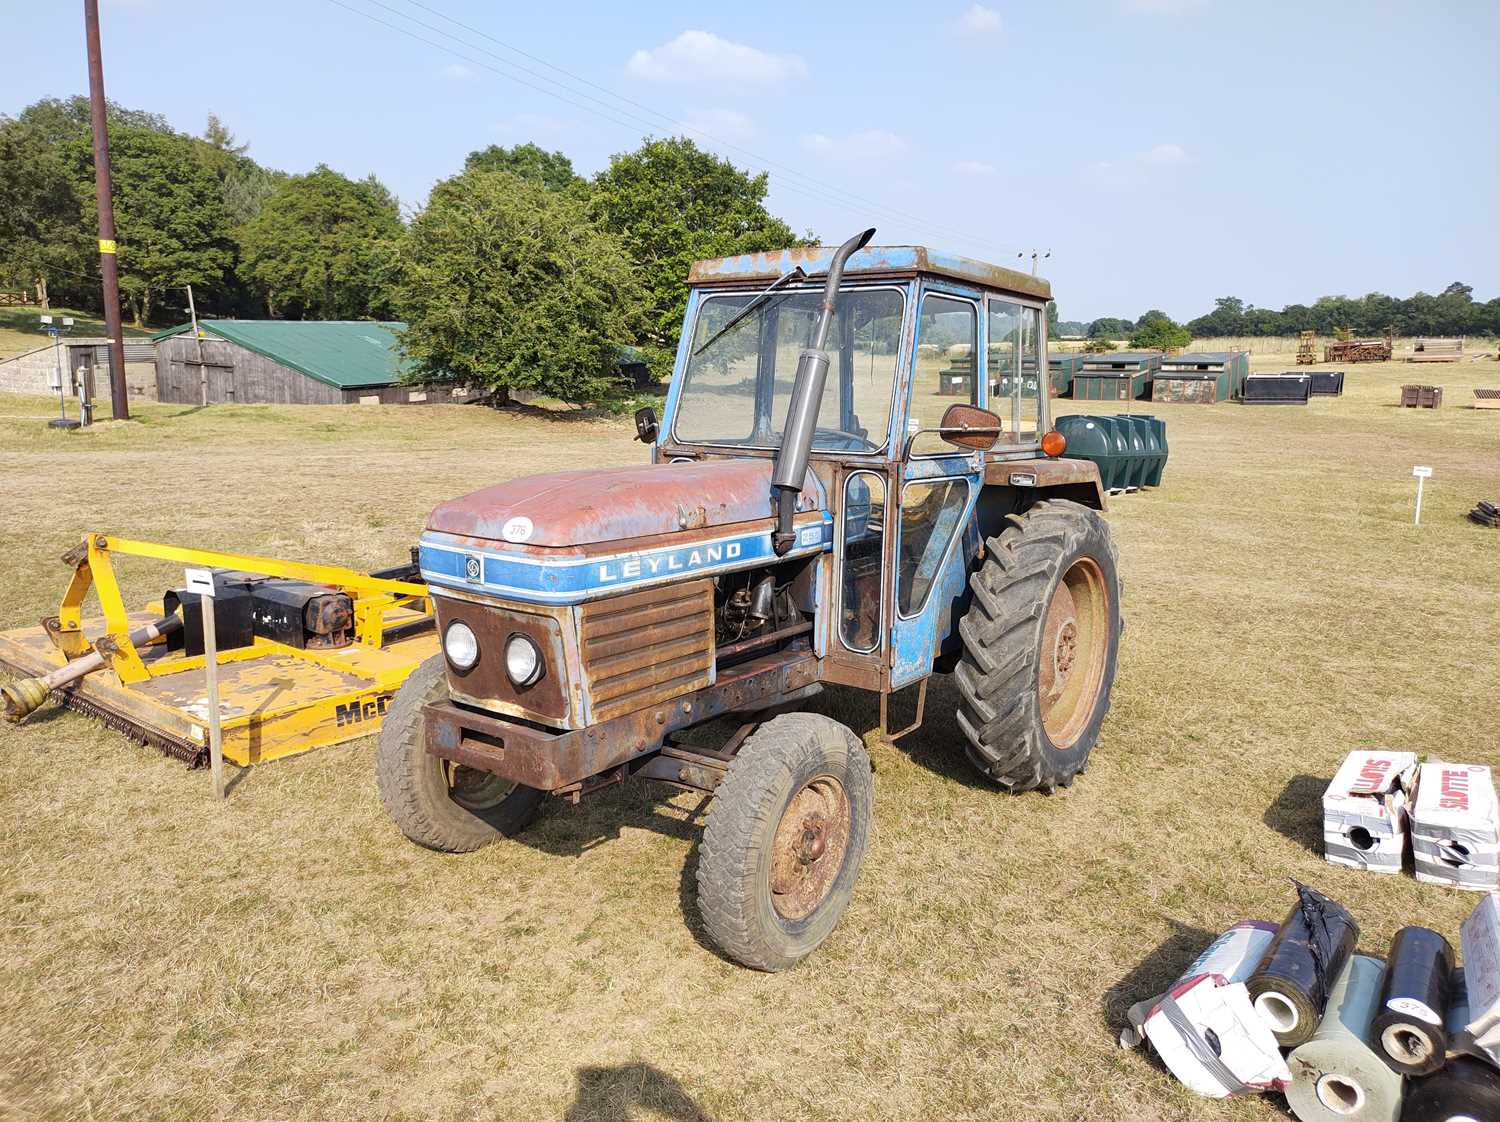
(1066, 649)
(808, 850)
(814, 842)
(1074, 651)
(475, 790)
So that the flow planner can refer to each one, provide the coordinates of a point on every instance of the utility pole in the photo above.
(104, 188)
(198, 335)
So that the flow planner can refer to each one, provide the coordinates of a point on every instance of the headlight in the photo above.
(523, 662)
(460, 646)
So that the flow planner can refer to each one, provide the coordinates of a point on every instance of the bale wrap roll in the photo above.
(1339, 1075)
(1409, 1025)
(1464, 1091)
(1290, 986)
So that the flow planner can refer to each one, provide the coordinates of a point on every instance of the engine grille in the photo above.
(643, 647)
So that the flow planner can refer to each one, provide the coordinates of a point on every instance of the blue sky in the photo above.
(1165, 151)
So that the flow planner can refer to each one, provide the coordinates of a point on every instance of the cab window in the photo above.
(947, 343)
(1017, 377)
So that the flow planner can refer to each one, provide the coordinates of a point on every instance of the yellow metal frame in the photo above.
(373, 596)
(286, 700)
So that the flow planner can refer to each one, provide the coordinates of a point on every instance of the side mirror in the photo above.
(968, 426)
(646, 426)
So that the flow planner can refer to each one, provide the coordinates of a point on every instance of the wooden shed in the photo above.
(288, 362)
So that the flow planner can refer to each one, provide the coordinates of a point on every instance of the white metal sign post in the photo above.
(1422, 474)
(201, 581)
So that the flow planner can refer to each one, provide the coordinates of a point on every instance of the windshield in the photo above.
(737, 386)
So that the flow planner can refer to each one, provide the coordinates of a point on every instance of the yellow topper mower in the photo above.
(309, 655)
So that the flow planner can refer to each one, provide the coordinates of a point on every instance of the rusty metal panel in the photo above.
(644, 647)
(550, 760)
(486, 684)
(1196, 391)
(875, 260)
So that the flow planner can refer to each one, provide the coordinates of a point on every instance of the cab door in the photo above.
(936, 485)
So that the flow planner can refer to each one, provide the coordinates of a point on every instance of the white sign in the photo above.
(200, 581)
(1422, 474)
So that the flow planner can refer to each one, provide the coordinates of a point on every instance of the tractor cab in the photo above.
(935, 381)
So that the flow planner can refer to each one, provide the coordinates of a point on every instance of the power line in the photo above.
(810, 187)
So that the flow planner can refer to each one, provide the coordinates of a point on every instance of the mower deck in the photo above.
(274, 700)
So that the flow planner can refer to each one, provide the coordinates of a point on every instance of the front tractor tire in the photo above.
(438, 804)
(785, 836)
(1039, 646)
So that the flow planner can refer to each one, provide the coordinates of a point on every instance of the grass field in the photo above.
(20, 328)
(290, 955)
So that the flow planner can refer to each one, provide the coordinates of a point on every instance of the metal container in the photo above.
(1277, 389)
(1100, 386)
(1326, 383)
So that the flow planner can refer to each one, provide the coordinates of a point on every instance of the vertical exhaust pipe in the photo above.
(790, 472)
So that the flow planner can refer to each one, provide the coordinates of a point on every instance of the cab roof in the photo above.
(875, 260)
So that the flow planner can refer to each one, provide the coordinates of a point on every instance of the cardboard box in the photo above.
(1365, 811)
(1455, 827)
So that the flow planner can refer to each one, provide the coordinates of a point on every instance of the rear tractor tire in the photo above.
(1039, 646)
(785, 836)
(438, 804)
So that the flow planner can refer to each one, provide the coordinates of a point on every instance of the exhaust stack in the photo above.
(790, 473)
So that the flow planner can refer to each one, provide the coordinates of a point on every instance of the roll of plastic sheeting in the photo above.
(1455, 827)
(1480, 937)
(1409, 1025)
(1205, 1029)
(1291, 983)
(1464, 1091)
(1339, 1075)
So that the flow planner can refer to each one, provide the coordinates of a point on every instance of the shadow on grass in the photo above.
(1297, 812)
(937, 746)
(571, 831)
(1154, 973)
(613, 1094)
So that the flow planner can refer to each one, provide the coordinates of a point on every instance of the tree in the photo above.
(508, 285)
(169, 214)
(1106, 328)
(672, 203)
(40, 234)
(1227, 318)
(320, 247)
(527, 161)
(1156, 331)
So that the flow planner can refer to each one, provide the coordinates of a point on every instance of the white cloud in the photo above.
(700, 56)
(721, 124)
(979, 20)
(458, 72)
(1165, 154)
(1160, 7)
(860, 146)
(529, 126)
(974, 167)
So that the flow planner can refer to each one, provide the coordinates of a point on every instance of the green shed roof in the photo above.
(346, 354)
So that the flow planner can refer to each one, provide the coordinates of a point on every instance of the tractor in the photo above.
(854, 482)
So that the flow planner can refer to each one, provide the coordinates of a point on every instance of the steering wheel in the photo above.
(861, 443)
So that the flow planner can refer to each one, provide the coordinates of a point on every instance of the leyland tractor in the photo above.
(854, 482)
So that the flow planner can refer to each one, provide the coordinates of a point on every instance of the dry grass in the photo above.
(289, 955)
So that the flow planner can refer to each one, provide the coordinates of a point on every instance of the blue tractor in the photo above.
(855, 482)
